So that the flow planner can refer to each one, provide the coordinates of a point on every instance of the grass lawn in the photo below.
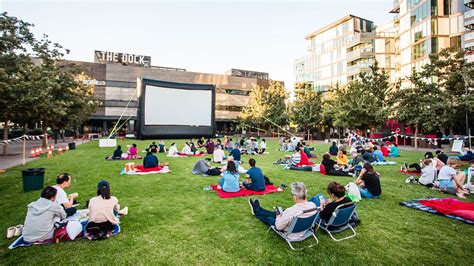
(172, 220)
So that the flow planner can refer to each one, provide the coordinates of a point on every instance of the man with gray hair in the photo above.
(282, 220)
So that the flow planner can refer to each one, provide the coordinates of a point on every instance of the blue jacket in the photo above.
(150, 161)
(231, 182)
(236, 154)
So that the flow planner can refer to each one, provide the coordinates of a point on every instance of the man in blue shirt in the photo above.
(150, 160)
(378, 155)
(236, 154)
(255, 174)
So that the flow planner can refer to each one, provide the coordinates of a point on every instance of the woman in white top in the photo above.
(452, 181)
(218, 155)
(263, 146)
(173, 151)
(186, 149)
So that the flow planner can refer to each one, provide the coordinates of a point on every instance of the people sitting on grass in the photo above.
(210, 146)
(394, 152)
(282, 221)
(470, 173)
(263, 146)
(186, 149)
(117, 154)
(451, 180)
(415, 167)
(428, 173)
(369, 182)
(218, 156)
(368, 156)
(153, 147)
(230, 180)
(235, 153)
(133, 152)
(329, 164)
(173, 150)
(307, 150)
(441, 156)
(103, 211)
(41, 217)
(63, 181)
(468, 156)
(378, 155)
(254, 178)
(384, 150)
(337, 194)
(333, 149)
(150, 160)
(341, 159)
(200, 143)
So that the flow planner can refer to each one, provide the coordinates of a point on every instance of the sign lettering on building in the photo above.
(122, 58)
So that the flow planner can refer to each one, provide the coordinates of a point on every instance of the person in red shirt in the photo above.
(384, 150)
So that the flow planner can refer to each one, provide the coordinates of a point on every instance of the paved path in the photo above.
(15, 151)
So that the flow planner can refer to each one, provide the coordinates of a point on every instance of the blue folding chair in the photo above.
(339, 221)
(299, 224)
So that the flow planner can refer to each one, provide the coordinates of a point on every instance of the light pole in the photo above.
(465, 76)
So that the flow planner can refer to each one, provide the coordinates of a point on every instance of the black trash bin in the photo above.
(72, 145)
(33, 179)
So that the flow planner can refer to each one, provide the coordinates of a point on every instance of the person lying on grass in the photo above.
(63, 181)
(150, 160)
(283, 220)
(451, 180)
(255, 180)
(117, 154)
(103, 211)
(369, 182)
(415, 167)
(41, 217)
(230, 180)
(337, 194)
(329, 166)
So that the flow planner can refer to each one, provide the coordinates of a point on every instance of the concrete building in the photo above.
(114, 78)
(341, 50)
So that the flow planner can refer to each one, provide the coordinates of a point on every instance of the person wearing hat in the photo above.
(103, 209)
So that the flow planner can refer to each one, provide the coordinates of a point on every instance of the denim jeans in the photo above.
(267, 217)
(364, 193)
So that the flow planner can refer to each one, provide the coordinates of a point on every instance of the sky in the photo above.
(202, 36)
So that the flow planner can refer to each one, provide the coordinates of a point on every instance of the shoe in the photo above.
(251, 203)
(409, 179)
(10, 232)
(18, 230)
(405, 165)
(256, 203)
(124, 211)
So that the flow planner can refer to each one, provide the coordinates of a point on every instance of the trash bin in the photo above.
(72, 145)
(33, 179)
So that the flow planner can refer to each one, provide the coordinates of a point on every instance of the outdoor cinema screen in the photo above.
(169, 109)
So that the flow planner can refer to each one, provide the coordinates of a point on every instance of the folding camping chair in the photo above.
(300, 224)
(339, 221)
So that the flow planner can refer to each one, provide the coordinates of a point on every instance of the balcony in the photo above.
(469, 19)
(360, 53)
(469, 3)
(396, 6)
(358, 38)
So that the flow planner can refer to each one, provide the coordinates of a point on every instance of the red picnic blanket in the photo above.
(245, 192)
(450, 206)
(140, 168)
(195, 155)
(410, 172)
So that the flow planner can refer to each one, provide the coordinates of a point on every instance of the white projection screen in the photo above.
(174, 110)
(177, 107)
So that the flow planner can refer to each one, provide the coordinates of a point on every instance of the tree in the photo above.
(252, 114)
(15, 65)
(306, 110)
(276, 111)
(417, 104)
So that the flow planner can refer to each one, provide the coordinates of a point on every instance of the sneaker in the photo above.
(124, 211)
(409, 179)
(18, 230)
(10, 232)
(251, 203)
(256, 203)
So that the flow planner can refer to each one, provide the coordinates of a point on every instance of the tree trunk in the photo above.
(451, 135)
(45, 136)
(416, 135)
(309, 135)
(63, 135)
(56, 137)
(5, 137)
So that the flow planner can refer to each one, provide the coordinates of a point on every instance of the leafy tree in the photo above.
(306, 110)
(276, 111)
(419, 104)
(252, 114)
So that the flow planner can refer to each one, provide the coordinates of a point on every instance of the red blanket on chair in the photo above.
(245, 192)
(450, 206)
(140, 168)
(410, 172)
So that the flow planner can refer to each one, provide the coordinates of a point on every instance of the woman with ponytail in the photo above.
(337, 192)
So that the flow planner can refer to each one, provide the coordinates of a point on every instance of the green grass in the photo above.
(172, 220)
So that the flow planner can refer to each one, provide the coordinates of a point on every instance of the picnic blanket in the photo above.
(140, 170)
(449, 207)
(245, 192)
(410, 172)
(182, 155)
(384, 163)
(20, 242)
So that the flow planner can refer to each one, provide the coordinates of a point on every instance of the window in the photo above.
(434, 7)
(234, 92)
(231, 108)
(455, 42)
(434, 45)
(419, 13)
(446, 7)
(434, 26)
(418, 51)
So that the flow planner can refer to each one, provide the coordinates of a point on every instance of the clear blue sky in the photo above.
(202, 36)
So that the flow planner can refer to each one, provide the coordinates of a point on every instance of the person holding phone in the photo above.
(282, 219)
(369, 182)
(337, 194)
